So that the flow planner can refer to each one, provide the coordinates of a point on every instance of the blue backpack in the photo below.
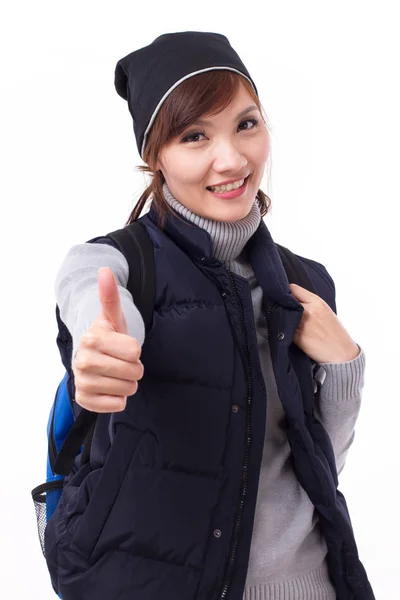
(70, 427)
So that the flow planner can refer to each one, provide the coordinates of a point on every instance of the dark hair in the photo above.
(204, 94)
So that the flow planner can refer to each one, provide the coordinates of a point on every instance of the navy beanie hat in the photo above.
(147, 76)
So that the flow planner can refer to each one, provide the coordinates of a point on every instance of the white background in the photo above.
(328, 78)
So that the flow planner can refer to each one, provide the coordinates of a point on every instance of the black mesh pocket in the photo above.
(45, 498)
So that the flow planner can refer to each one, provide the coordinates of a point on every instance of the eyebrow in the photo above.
(239, 116)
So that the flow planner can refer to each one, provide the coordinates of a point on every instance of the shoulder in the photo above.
(322, 280)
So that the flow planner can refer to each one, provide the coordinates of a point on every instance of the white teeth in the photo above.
(227, 188)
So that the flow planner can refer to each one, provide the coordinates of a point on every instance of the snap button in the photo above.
(223, 294)
(235, 408)
(203, 258)
(281, 336)
(217, 533)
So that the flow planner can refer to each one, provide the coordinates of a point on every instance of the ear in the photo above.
(158, 166)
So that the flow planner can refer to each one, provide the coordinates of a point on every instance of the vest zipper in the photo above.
(238, 523)
(244, 482)
(268, 316)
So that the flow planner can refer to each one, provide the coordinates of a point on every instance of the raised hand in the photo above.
(107, 365)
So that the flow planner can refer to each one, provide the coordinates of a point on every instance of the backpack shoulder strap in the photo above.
(135, 244)
(295, 270)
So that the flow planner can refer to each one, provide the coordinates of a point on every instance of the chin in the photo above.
(231, 214)
(234, 218)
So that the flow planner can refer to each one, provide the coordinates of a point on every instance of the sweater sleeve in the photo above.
(76, 289)
(339, 403)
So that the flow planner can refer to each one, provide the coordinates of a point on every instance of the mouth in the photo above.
(231, 193)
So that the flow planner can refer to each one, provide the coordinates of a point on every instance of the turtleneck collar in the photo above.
(228, 238)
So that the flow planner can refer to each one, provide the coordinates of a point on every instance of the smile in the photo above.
(231, 190)
(227, 187)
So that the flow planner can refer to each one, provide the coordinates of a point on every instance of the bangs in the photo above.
(204, 94)
(207, 93)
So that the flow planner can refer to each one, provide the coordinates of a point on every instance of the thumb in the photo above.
(110, 300)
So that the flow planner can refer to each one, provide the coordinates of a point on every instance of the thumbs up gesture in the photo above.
(107, 365)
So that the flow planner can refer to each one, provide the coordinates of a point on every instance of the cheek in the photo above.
(262, 149)
(188, 171)
(265, 148)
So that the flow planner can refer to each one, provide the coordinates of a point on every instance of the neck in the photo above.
(228, 238)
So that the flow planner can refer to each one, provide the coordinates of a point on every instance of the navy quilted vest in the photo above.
(165, 507)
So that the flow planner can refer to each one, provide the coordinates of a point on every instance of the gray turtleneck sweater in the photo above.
(288, 553)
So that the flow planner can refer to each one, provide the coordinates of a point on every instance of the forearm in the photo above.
(339, 403)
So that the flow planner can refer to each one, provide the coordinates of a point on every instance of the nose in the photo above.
(228, 159)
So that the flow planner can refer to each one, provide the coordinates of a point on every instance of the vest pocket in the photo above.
(121, 576)
(99, 490)
(161, 514)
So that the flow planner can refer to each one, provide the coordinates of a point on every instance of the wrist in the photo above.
(348, 355)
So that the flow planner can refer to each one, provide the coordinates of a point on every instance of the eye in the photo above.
(190, 136)
(254, 121)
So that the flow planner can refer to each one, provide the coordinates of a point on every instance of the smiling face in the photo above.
(231, 145)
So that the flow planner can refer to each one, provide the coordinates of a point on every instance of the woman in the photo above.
(212, 480)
